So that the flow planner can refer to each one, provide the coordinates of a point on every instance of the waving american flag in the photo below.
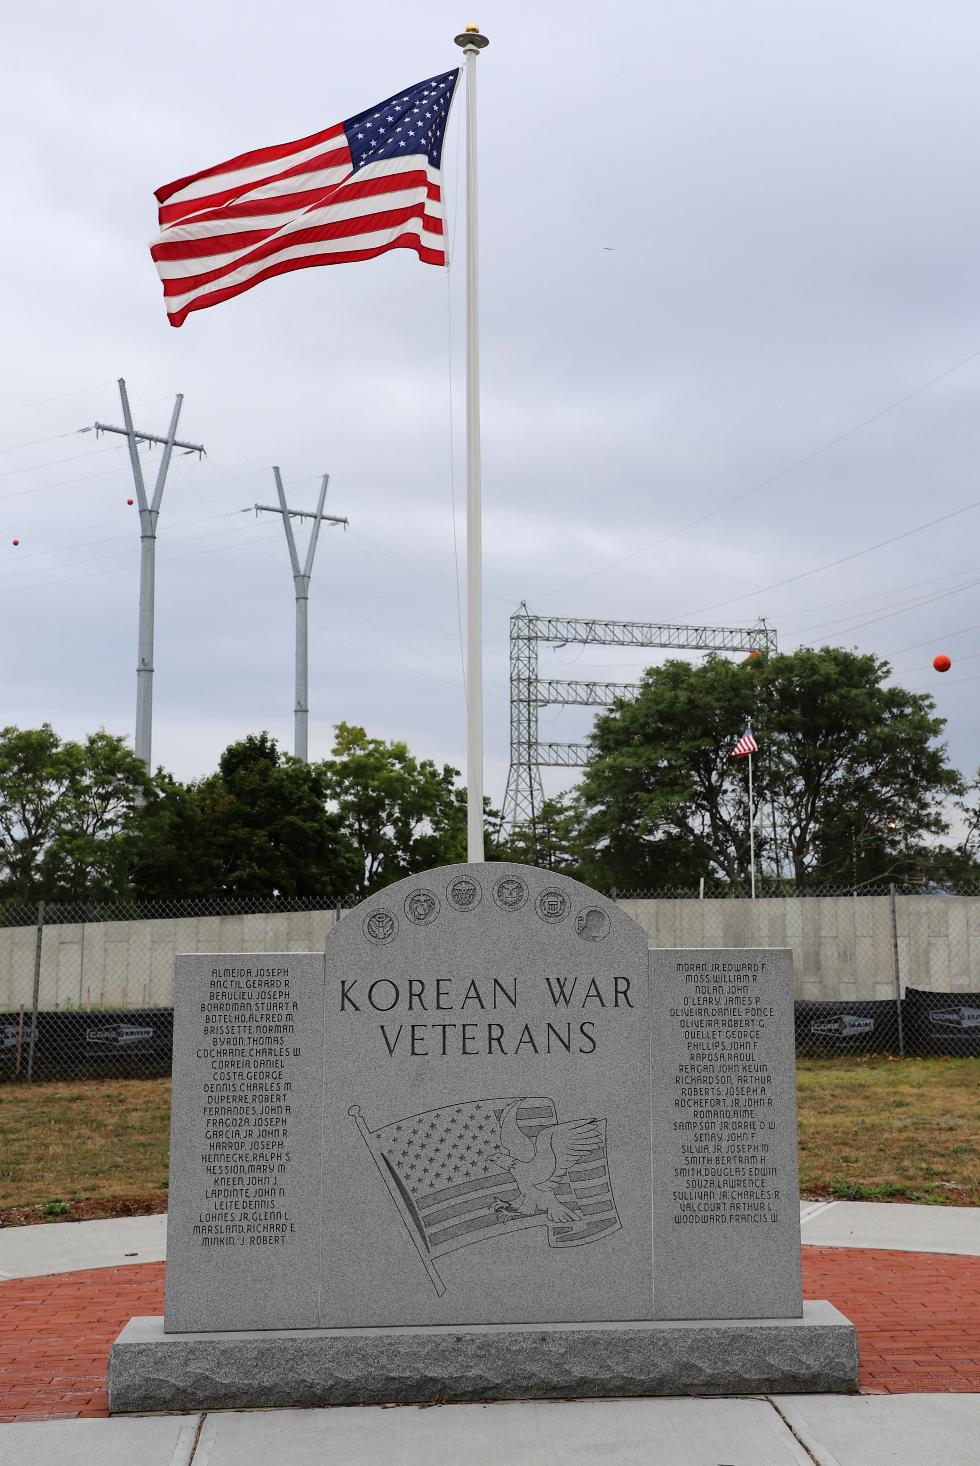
(364, 186)
(746, 744)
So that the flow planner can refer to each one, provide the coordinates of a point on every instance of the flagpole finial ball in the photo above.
(471, 39)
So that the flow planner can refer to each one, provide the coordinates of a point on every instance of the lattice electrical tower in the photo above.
(529, 693)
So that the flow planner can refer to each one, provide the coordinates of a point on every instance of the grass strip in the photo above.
(875, 1129)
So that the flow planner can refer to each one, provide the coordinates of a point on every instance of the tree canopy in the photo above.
(852, 786)
(258, 826)
(69, 814)
(402, 814)
(849, 778)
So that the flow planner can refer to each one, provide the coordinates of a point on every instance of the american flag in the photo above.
(745, 745)
(353, 191)
(441, 1170)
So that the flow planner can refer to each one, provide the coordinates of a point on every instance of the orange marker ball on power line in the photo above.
(16, 542)
(942, 662)
(129, 501)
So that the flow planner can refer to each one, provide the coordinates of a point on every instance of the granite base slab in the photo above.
(150, 1370)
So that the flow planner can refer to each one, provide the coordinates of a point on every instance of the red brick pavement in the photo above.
(917, 1315)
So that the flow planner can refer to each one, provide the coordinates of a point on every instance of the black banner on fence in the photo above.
(941, 1023)
(828, 1030)
(127, 1043)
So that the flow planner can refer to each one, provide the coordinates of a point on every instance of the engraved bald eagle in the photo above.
(538, 1165)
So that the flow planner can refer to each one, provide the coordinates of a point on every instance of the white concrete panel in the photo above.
(573, 1433)
(886, 1430)
(156, 1440)
(231, 934)
(900, 1226)
(201, 935)
(65, 1247)
(10, 996)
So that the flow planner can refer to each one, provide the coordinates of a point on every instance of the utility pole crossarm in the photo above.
(104, 427)
(301, 514)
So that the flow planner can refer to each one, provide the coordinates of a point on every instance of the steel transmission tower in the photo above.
(149, 514)
(301, 585)
(529, 693)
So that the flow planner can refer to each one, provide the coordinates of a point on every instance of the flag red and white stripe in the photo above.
(350, 192)
(745, 745)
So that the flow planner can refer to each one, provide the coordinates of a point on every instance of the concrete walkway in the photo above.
(892, 1430)
(891, 1225)
(64, 1247)
(69, 1247)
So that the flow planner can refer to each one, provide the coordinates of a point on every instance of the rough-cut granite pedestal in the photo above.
(150, 1370)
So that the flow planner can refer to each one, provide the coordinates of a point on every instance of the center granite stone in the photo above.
(486, 1105)
(444, 1120)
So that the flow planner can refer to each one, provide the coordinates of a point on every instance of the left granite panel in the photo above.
(243, 1233)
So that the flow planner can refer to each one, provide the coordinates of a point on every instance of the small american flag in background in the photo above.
(353, 191)
(745, 745)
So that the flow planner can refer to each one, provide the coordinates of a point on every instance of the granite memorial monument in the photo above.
(484, 1144)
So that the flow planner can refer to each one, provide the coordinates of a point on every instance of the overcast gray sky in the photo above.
(715, 239)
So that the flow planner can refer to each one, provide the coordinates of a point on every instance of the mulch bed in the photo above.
(917, 1316)
(150, 1204)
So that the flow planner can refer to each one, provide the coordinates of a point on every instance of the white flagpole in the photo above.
(751, 830)
(472, 43)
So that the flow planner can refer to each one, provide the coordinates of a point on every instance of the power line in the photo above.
(900, 610)
(787, 614)
(58, 397)
(252, 539)
(52, 463)
(772, 478)
(9, 580)
(61, 483)
(841, 560)
(33, 442)
(941, 636)
(358, 541)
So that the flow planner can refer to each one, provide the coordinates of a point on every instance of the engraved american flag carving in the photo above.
(491, 1167)
(366, 185)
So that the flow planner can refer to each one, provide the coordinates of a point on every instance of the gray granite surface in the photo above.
(243, 1231)
(486, 1104)
(726, 1238)
(150, 1370)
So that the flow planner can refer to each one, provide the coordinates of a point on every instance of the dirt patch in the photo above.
(150, 1205)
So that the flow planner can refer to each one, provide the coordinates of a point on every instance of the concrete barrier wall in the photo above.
(130, 964)
(842, 946)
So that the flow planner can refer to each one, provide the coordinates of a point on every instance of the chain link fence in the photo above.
(87, 989)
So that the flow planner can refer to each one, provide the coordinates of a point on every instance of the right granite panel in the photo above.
(726, 1219)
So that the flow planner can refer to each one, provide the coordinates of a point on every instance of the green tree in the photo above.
(401, 813)
(69, 814)
(552, 841)
(258, 826)
(858, 774)
(849, 774)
